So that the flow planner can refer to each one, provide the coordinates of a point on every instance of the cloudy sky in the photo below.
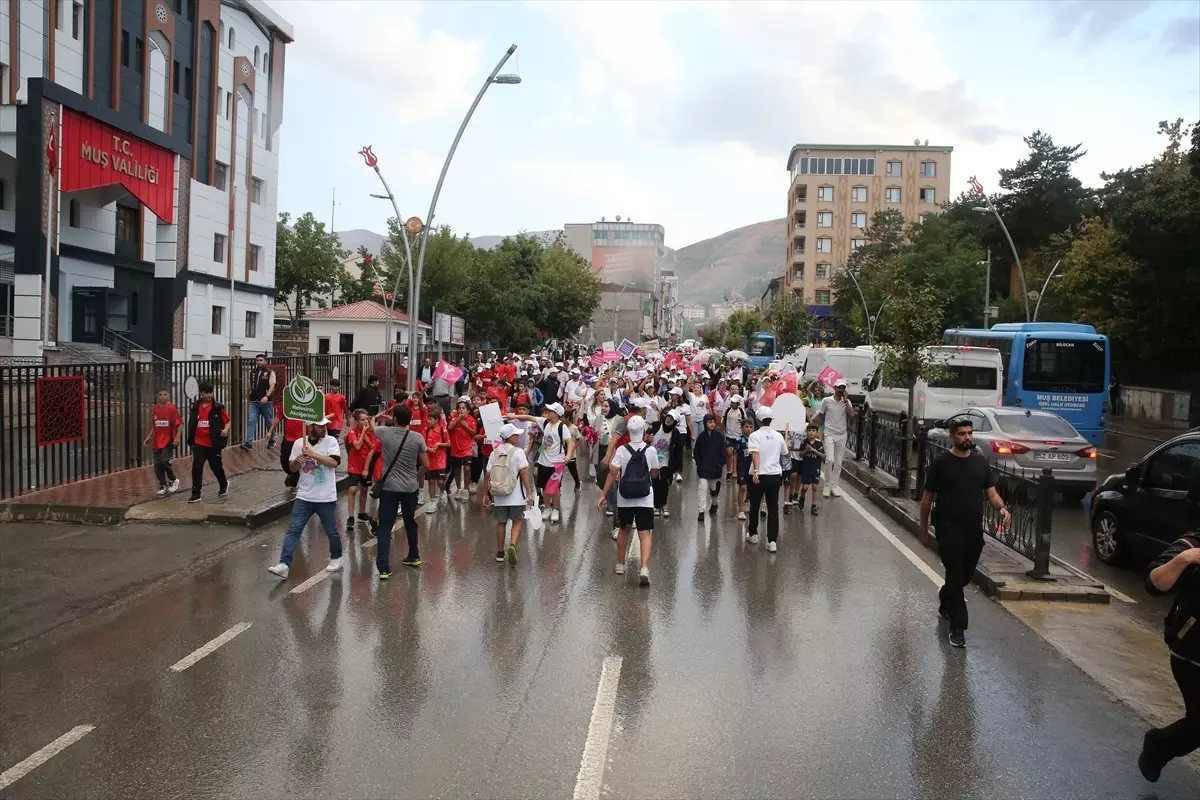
(684, 113)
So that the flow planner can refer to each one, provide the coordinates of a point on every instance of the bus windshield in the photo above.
(1064, 365)
(762, 347)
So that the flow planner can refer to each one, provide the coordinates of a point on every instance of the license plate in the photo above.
(1052, 456)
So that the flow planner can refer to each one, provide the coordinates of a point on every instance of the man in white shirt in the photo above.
(835, 413)
(509, 507)
(557, 448)
(637, 510)
(314, 458)
(575, 389)
(767, 449)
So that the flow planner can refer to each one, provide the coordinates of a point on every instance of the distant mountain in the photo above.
(359, 237)
(737, 264)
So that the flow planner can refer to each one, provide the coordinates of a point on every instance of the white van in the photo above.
(853, 363)
(974, 377)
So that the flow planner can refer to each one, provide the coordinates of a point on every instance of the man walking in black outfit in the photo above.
(207, 432)
(959, 480)
(369, 398)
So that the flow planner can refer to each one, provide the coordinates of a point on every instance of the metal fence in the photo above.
(68, 422)
(880, 439)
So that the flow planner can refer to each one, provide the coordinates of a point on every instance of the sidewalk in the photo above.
(256, 495)
(1152, 430)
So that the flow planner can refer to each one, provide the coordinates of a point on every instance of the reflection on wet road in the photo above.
(820, 671)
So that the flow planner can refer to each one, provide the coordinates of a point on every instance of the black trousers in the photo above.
(477, 465)
(662, 485)
(162, 465)
(574, 470)
(1182, 736)
(959, 551)
(202, 455)
(767, 488)
(389, 504)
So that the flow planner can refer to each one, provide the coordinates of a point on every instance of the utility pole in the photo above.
(333, 210)
(987, 288)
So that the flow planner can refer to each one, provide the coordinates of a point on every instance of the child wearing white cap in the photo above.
(633, 471)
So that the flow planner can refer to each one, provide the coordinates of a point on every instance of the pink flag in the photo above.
(828, 376)
(611, 355)
(447, 372)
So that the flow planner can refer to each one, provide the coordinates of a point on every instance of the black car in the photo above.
(1137, 513)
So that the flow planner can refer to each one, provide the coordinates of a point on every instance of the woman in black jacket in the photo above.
(709, 454)
(1178, 570)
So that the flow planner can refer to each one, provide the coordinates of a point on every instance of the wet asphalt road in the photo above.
(819, 672)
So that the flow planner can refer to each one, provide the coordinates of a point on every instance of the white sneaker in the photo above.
(666, 512)
(752, 538)
(431, 507)
(771, 548)
(334, 565)
(826, 492)
(545, 513)
(644, 576)
(608, 512)
(741, 515)
(162, 492)
(836, 492)
(554, 516)
(620, 569)
(421, 497)
(173, 486)
(281, 570)
(679, 479)
(615, 531)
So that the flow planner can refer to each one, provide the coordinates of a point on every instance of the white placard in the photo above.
(492, 420)
(191, 388)
(608, 347)
(789, 413)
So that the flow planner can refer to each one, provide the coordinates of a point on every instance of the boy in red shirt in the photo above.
(165, 428)
(463, 428)
(437, 442)
(360, 443)
(208, 433)
(335, 408)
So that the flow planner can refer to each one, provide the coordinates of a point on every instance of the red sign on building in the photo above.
(95, 154)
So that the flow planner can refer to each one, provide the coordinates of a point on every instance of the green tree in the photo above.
(1097, 276)
(308, 263)
(363, 288)
(912, 324)
(740, 325)
(788, 319)
(566, 291)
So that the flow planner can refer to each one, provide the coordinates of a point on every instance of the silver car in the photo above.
(1024, 441)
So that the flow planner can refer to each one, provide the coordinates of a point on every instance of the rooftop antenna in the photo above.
(927, 143)
(917, 142)
(618, 217)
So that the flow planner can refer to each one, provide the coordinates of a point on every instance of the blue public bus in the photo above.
(761, 349)
(1060, 366)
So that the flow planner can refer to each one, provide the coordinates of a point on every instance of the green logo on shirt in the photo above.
(302, 400)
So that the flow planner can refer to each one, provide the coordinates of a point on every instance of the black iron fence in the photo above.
(68, 422)
(881, 440)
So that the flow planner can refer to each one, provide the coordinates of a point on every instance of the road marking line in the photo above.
(201, 652)
(369, 543)
(311, 582)
(917, 561)
(590, 779)
(18, 771)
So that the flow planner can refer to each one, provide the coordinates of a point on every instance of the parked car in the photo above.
(973, 376)
(1023, 441)
(1137, 513)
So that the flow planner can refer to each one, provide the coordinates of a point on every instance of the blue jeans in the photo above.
(389, 504)
(302, 511)
(256, 410)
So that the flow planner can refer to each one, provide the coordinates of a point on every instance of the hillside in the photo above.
(353, 239)
(737, 264)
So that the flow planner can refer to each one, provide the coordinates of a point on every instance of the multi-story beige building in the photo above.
(833, 192)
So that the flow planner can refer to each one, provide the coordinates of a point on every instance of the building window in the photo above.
(928, 196)
(858, 194)
(798, 244)
(139, 55)
(894, 169)
(824, 245)
(799, 219)
(190, 5)
(133, 310)
(175, 77)
(221, 34)
(822, 297)
(928, 169)
(128, 224)
(124, 48)
(255, 250)
(345, 342)
(187, 82)
(257, 52)
(220, 171)
(219, 248)
(218, 319)
(178, 6)
(858, 219)
(3, 194)
(857, 243)
(798, 271)
(256, 187)
(802, 193)
(824, 219)
(76, 20)
(825, 194)
(72, 213)
(892, 194)
(228, 105)
(251, 324)
(823, 270)
(231, 37)
(323, 345)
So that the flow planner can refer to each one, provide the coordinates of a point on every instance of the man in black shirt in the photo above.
(959, 480)
(369, 398)
(262, 389)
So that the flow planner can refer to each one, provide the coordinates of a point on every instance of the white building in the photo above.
(165, 116)
(692, 311)
(360, 328)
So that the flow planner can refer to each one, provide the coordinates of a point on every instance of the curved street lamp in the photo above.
(978, 187)
(389, 299)
(871, 319)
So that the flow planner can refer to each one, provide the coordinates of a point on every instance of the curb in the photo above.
(995, 584)
(1146, 436)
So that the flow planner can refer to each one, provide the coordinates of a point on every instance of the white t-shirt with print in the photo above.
(554, 449)
(699, 406)
(516, 463)
(620, 459)
(770, 446)
(318, 482)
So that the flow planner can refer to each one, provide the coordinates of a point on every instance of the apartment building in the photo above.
(627, 256)
(835, 189)
(139, 145)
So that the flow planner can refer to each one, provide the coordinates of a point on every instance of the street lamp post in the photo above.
(1045, 285)
(389, 298)
(978, 187)
(415, 294)
(987, 286)
(871, 319)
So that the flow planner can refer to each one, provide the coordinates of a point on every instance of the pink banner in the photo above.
(612, 355)
(597, 360)
(447, 372)
(828, 376)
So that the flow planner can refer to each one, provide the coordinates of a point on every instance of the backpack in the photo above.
(635, 477)
(502, 478)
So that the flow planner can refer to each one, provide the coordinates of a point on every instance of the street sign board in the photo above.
(302, 400)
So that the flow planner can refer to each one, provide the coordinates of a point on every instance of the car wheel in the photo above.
(1106, 538)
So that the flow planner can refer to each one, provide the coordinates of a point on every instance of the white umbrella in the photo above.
(738, 354)
(704, 356)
